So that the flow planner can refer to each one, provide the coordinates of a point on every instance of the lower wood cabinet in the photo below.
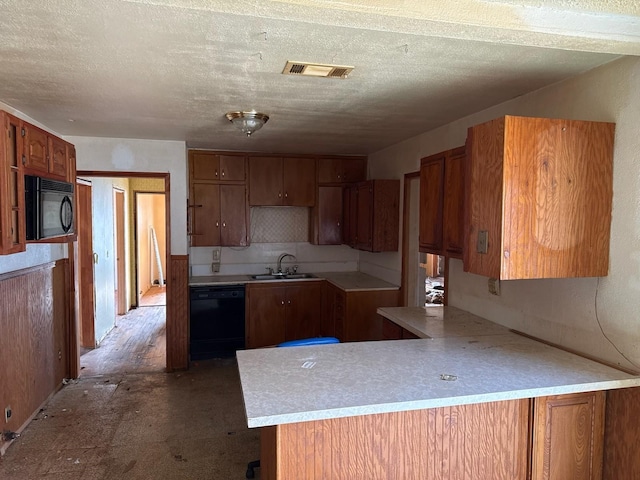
(485, 441)
(351, 315)
(393, 331)
(282, 311)
(568, 432)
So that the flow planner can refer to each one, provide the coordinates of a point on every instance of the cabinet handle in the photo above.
(222, 173)
(279, 194)
(216, 172)
(289, 302)
(217, 224)
(286, 195)
(338, 223)
(224, 224)
(282, 302)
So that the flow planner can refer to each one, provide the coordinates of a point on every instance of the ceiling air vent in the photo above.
(317, 70)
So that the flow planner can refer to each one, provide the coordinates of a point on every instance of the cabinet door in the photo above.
(299, 176)
(233, 215)
(36, 155)
(568, 432)
(431, 203)
(203, 166)
(354, 170)
(58, 157)
(350, 215)
(266, 317)
(12, 221)
(329, 211)
(205, 209)
(304, 303)
(265, 181)
(232, 168)
(330, 170)
(453, 226)
(364, 217)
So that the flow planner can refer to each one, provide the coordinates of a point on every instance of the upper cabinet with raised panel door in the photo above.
(539, 195)
(12, 221)
(45, 154)
(218, 212)
(332, 170)
(282, 181)
(442, 203)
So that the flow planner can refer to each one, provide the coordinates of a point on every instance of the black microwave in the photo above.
(49, 207)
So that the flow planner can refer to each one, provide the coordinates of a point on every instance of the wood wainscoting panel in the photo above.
(178, 313)
(466, 442)
(34, 322)
(622, 435)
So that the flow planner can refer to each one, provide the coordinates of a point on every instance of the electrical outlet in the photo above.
(215, 267)
(494, 286)
(7, 413)
(216, 255)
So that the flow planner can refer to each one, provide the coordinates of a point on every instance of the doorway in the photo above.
(423, 274)
(128, 338)
(150, 244)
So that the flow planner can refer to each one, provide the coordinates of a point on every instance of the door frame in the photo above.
(170, 321)
(120, 263)
(135, 241)
(406, 215)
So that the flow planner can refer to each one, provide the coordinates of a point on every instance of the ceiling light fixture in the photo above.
(247, 122)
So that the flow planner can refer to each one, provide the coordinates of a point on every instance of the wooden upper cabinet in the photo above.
(12, 213)
(539, 196)
(219, 215)
(36, 151)
(326, 217)
(373, 215)
(332, 170)
(277, 181)
(431, 203)
(218, 212)
(211, 166)
(46, 155)
(442, 203)
(58, 156)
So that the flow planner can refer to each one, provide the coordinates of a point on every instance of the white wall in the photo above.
(562, 310)
(132, 155)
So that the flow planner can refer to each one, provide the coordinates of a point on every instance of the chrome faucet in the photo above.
(282, 257)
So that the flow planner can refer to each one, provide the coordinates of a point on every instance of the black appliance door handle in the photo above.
(66, 214)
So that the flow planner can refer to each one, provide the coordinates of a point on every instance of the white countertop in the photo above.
(440, 321)
(348, 281)
(288, 385)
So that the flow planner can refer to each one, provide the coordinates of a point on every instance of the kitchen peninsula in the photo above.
(470, 400)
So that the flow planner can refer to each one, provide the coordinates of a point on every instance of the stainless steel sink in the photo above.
(282, 276)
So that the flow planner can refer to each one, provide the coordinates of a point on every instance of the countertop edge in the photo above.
(280, 419)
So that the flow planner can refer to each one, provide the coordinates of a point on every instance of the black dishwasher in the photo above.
(216, 321)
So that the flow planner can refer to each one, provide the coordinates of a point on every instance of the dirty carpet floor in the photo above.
(187, 425)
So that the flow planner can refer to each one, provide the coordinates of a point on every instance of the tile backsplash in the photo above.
(275, 230)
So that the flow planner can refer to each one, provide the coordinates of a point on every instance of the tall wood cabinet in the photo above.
(538, 197)
(282, 181)
(279, 312)
(217, 199)
(442, 203)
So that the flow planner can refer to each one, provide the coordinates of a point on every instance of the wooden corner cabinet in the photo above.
(341, 170)
(442, 203)
(377, 215)
(218, 212)
(282, 181)
(538, 198)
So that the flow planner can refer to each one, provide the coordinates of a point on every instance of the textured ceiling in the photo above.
(171, 69)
